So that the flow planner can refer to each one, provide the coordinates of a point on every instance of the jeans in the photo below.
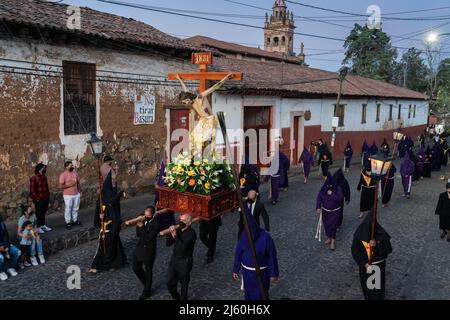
(35, 245)
(14, 254)
(71, 206)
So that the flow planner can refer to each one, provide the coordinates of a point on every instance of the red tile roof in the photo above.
(48, 15)
(290, 80)
(237, 48)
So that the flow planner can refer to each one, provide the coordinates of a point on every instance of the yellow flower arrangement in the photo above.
(187, 174)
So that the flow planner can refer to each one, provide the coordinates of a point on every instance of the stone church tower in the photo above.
(279, 30)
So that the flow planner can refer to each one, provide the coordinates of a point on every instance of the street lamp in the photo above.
(433, 37)
(380, 164)
(96, 145)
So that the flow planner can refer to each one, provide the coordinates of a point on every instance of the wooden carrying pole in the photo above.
(133, 221)
(102, 217)
(221, 118)
(374, 219)
(167, 231)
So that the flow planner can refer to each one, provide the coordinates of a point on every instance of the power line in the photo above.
(138, 6)
(366, 15)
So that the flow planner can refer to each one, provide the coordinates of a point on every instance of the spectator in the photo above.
(7, 251)
(70, 182)
(40, 194)
(36, 241)
(25, 244)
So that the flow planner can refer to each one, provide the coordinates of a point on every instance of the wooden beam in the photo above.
(237, 76)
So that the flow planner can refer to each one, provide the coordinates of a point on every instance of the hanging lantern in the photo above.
(96, 145)
(398, 135)
(380, 164)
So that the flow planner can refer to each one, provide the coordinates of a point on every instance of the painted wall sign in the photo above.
(202, 58)
(144, 110)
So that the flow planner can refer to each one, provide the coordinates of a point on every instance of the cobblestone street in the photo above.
(418, 268)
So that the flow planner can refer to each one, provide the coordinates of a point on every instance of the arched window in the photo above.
(275, 41)
(283, 40)
(268, 41)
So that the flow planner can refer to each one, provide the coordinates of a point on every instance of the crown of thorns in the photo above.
(187, 96)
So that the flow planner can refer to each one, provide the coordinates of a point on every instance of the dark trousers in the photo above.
(144, 271)
(41, 207)
(208, 235)
(325, 166)
(179, 271)
(26, 250)
(373, 294)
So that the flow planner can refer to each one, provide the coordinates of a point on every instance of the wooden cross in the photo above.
(203, 60)
(201, 103)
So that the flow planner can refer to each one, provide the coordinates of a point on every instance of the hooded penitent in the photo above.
(266, 255)
(307, 161)
(373, 149)
(330, 205)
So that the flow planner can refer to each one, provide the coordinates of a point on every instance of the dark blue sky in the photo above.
(324, 54)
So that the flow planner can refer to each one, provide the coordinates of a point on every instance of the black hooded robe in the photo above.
(366, 186)
(325, 161)
(427, 164)
(380, 252)
(443, 210)
(110, 253)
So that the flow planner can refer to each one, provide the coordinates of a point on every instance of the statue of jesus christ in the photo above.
(205, 129)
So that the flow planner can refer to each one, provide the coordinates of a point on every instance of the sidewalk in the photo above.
(62, 239)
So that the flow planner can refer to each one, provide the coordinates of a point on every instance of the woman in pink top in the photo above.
(70, 182)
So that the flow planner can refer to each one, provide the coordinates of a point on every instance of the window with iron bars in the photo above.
(79, 97)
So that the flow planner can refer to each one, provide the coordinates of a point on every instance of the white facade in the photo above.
(322, 111)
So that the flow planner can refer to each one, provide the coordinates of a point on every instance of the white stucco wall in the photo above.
(322, 111)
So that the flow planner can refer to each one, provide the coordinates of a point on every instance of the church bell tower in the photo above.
(279, 30)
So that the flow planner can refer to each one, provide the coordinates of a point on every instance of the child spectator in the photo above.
(36, 241)
(25, 244)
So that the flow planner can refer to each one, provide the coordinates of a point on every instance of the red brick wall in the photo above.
(312, 133)
(357, 138)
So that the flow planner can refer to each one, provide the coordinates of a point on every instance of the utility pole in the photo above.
(342, 74)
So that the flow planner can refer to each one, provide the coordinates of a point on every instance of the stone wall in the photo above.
(31, 120)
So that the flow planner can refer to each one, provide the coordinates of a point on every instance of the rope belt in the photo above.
(369, 187)
(331, 210)
(252, 269)
(378, 262)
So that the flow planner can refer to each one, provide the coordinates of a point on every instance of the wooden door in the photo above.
(179, 119)
(296, 140)
(258, 118)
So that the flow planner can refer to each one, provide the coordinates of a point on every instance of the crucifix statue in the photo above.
(205, 129)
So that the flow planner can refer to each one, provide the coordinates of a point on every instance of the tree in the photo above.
(442, 104)
(370, 53)
(434, 60)
(411, 71)
(443, 77)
